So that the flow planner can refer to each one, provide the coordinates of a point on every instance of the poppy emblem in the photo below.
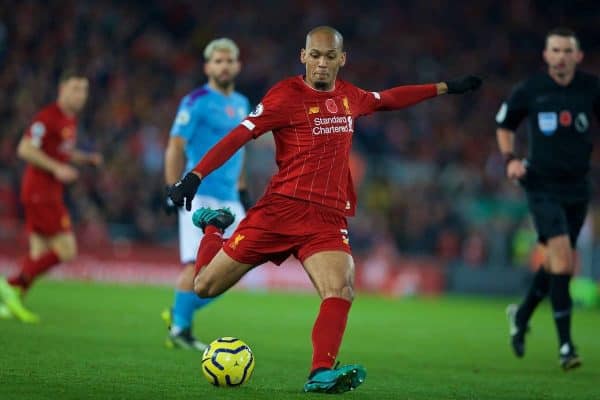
(331, 106)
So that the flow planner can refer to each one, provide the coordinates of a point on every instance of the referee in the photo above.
(558, 105)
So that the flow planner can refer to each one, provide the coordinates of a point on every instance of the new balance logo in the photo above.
(345, 238)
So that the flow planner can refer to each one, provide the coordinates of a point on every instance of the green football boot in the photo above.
(221, 218)
(5, 312)
(338, 380)
(12, 299)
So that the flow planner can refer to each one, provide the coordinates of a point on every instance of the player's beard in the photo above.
(562, 70)
(562, 73)
(320, 85)
(224, 84)
(76, 106)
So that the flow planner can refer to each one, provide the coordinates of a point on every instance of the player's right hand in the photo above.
(515, 169)
(168, 205)
(183, 192)
(65, 173)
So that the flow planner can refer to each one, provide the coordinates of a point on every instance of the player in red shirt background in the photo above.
(303, 212)
(48, 147)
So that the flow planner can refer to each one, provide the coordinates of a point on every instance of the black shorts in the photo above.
(554, 217)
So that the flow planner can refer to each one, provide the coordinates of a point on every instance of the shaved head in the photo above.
(324, 30)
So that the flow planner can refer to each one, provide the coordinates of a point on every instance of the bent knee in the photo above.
(204, 288)
(562, 268)
(562, 263)
(66, 254)
(64, 246)
(345, 292)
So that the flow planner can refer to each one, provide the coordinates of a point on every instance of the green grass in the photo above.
(106, 342)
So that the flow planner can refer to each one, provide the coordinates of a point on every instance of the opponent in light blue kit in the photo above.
(204, 116)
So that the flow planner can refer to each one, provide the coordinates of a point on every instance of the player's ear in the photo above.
(303, 56)
(61, 88)
(343, 59)
(579, 56)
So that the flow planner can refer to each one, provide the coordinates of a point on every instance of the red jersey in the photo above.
(54, 133)
(313, 134)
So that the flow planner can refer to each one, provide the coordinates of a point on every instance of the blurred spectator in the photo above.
(428, 177)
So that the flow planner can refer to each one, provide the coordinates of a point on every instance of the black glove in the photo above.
(245, 199)
(463, 84)
(184, 191)
(168, 205)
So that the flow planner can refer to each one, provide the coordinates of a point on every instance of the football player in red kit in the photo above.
(303, 212)
(48, 147)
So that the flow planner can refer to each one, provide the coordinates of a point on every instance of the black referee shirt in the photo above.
(559, 129)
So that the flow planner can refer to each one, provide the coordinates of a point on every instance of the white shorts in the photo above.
(190, 235)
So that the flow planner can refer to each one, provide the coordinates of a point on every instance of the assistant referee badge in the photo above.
(547, 122)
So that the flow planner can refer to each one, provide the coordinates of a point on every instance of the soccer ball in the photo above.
(227, 362)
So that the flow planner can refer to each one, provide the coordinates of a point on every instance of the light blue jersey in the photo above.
(204, 117)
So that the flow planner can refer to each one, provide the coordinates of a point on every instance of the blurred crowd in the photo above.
(430, 179)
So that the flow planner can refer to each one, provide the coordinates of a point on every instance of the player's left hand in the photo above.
(183, 192)
(95, 159)
(464, 84)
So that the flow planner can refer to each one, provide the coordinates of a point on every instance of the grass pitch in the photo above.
(100, 341)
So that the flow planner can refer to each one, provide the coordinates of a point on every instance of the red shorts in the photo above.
(47, 219)
(279, 226)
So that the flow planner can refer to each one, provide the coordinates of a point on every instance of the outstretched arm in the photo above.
(404, 96)
(184, 190)
(223, 151)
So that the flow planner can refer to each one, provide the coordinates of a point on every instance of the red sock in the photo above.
(31, 269)
(210, 245)
(328, 331)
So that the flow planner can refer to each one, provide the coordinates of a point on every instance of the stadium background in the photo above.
(435, 210)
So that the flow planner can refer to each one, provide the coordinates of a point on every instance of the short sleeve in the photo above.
(39, 130)
(187, 116)
(513, 110)
(270, 114)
